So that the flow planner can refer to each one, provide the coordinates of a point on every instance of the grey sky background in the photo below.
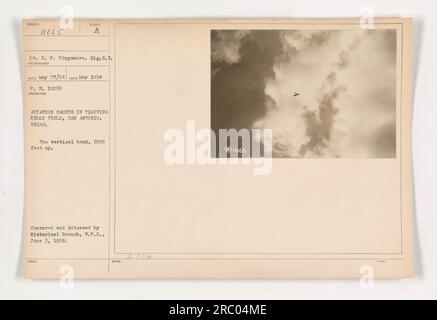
(346, 80)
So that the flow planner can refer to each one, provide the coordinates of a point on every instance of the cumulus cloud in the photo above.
(345, 80)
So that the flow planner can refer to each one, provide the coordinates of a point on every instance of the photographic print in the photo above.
(311, 118)
(323, 93)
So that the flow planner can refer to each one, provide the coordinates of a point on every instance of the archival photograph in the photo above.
(323, 93)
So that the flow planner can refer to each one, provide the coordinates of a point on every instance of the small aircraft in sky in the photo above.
(296, 94)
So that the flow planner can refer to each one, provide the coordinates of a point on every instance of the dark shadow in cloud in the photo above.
(343, 60)
(319, 123)
(320, 38)
(383, 142)
(384, 97)
(280, 150)
(237, 95)
(243, 62)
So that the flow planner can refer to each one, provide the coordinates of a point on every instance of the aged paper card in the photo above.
(218, 148)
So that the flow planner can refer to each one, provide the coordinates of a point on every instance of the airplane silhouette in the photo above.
(295, 94)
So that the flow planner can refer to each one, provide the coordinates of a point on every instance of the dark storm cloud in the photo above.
(238, 98)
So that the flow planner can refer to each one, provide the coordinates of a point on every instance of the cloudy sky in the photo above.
(346, 80)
